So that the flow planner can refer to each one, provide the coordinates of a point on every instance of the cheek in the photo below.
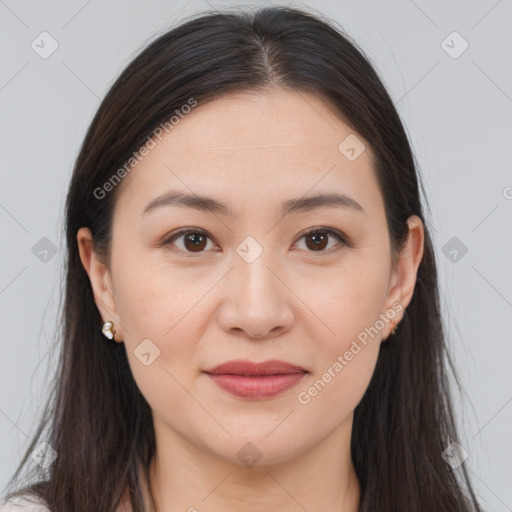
(337, 389)
(348, 299)
(151, 299)
(161, 334)
(347, 352)
(349, 305)
(157, 315)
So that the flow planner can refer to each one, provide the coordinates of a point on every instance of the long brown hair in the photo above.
(97, 420)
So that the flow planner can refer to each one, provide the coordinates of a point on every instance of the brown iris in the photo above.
(319, 239)
(197, 242)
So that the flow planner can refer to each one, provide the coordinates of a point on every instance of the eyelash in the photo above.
(342, 240)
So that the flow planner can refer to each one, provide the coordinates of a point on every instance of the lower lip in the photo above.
(264, 386)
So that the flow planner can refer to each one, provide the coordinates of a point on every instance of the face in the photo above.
(191, 287)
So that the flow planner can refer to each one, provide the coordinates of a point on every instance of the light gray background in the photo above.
(457, 112)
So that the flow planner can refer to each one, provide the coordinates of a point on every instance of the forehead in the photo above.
(254, 145)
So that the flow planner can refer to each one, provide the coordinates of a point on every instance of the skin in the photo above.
(252, 151)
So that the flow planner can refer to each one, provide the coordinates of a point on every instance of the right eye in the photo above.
(193, 241)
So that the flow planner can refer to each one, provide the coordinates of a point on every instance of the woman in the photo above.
(251, 317)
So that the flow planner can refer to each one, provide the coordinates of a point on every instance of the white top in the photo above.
(19, 504)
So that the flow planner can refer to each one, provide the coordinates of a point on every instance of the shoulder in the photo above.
(23, 504)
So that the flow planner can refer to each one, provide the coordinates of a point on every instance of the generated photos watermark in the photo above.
(304, 397)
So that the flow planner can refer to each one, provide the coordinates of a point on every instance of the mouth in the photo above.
(256, 380)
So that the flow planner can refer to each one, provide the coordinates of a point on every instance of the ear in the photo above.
(404, 275)
(101, 282)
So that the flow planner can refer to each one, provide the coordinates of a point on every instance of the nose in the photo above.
(258, 301)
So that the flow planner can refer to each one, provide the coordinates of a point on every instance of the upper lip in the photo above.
(248, 368)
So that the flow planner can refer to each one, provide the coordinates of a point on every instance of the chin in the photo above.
(259, 450)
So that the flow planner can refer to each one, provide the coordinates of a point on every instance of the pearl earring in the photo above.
(108, 330)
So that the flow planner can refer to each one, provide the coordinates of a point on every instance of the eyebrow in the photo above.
(208, 204)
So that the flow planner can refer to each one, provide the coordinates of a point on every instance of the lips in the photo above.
(250, 369)
(256, 381)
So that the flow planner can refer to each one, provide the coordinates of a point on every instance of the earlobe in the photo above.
(100, 279)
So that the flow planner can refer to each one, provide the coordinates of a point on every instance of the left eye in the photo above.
(195, 241)
(317, 239)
